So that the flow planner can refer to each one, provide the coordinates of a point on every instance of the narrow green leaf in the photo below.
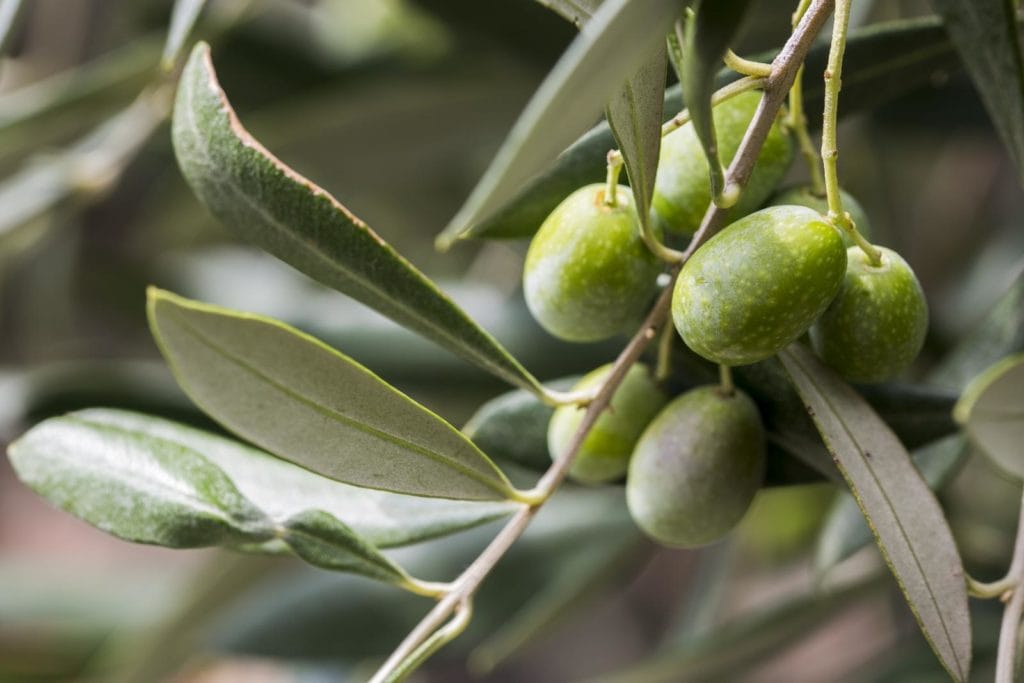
(303, 401)
(904, 514)
(134, 486)
(986, 34)
(992, 411)
(277, 209)
(999, 333)
(149, 480)
(635, 114)
(283, 491)
(883, 61)
(710, 30)
(183, 19)
(576, 12)
(610, 47)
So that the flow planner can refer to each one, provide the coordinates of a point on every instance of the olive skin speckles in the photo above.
(758, 284)
(604, 454)
(877, 323)
(803, 195)
(588, 275)
(697, 468)
(682, 188)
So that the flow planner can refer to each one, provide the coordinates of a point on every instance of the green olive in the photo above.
(604, 454)
(697, 468)
(682, 188)
(876, 325)
(803, 195)
(758, 285)
(588, 273)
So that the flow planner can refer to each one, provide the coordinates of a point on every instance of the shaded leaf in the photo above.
(986, 35)
(710, 30)
(904, 514)
(183, 19)
(882, 61)
(634, 114)
(992, 411)
(321, 540)
(724, 653)
(303, 401)
(609, 48)
(576, 12)
(277, 209)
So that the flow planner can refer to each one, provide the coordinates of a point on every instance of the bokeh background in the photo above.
(396, 107)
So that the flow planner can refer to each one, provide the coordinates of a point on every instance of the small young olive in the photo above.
(876, 325)
(697, 467)
(588, 273)
(604, 454)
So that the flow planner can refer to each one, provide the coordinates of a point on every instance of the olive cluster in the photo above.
(694, 463)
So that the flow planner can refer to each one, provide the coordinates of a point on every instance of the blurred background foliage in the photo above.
(395, 107)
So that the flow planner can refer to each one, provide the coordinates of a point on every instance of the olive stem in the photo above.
(777, 85)
(663, 368)
(611, 188)
(829, 133)
(725, 377)
(1006, 655)
(747, 67)
(990, 590)
(438, 639)
(797, 119)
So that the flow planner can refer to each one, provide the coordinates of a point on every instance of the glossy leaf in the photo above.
(303, 401)
(275, 208)
(576, 12)
(710, 30)
(634, 114)
(882, 61)
(992, 411)
(183, 19)
(999, 333)
(610, 47)
(987, 37)
(904, 514)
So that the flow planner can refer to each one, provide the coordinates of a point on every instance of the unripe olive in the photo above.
(697, 467)
(803, 195)
(604, 454)
(682, 189)
(876, 325)
(758, 285)
(588, 272)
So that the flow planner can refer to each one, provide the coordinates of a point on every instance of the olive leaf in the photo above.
(986, 34)
(576, 12)
(710, 30)
(307, 403)
(183, 19)
(151, 480)
(10, 14)
(992, 411)
(609, 48)
(883, 61)
(1000, 332)
(277, 209)
(904, 514)
(634, 115)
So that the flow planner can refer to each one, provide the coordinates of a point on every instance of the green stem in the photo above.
(797, 121)
(747, 67)
(611, 187)
(428, 589)
(437, 640)
(1006, 655)
(725, 378)
(829, 149)
(990, 590)
(663, 368)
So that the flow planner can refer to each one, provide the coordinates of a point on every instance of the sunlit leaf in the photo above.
(904, 514)
(609, 48)
(992, 411)
(275, 208)
(987, 37)
(303, 401)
